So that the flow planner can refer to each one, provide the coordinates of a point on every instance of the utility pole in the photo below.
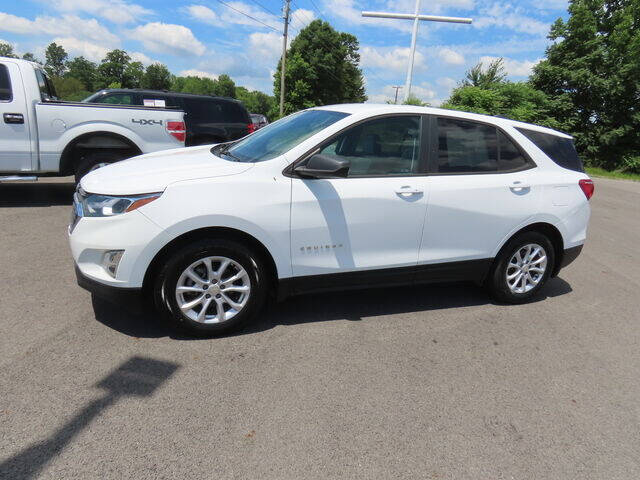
(287, 6)
(397, 87)
(416, 17)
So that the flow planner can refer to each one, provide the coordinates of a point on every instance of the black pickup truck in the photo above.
(208, 119)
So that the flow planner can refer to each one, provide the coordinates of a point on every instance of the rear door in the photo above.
(15, 138)
(482, 187)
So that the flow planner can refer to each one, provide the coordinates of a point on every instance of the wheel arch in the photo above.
(101, 140)
(551, 232)
(207, 232)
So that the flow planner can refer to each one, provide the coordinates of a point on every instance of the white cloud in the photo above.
(228, 15)
(65, 26)
(512, 18)
(198, 73)
(203, 14)
(142, 58)
(75, 47)
(301, 18)
(168, 38)
(390, 58)
(265, 47)
(352, 13)
(515, 68)
(116, 11)
(434, 6)
(450, 56)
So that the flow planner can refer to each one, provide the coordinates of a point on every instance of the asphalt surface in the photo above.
(432, 382)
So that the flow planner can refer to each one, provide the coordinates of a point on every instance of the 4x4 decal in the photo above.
(144, 121)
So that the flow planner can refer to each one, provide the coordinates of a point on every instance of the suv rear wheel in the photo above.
(522, 268)
(211, 287)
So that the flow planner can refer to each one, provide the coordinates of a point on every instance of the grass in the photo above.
(601, 172)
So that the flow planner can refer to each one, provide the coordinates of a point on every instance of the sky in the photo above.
(211, 37)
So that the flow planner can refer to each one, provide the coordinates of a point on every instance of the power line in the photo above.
(265, 8)
(247, 15)
(316, 8)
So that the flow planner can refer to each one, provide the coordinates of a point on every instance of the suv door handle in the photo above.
(518, 186)
(408, 191)
(13, 118)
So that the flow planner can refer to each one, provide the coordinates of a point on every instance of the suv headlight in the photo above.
(95, 205)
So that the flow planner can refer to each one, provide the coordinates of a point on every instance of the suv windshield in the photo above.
(279, 137)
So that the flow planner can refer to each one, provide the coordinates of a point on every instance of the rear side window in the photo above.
(6, 95)
(510, 156)
(210, 110)
(559, 149)
(466, 147)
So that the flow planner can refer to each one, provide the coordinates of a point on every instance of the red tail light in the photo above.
(586, 184)
(251, 127)
(177, 130)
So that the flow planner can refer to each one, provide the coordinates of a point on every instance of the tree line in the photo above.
(76, 78)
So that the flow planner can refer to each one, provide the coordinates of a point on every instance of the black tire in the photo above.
(497, 282)
(166, 281)
(91, 160)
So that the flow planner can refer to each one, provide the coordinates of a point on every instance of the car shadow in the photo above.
(36, 194)
(352, 305)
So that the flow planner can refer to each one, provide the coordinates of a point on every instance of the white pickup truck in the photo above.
(41, 136)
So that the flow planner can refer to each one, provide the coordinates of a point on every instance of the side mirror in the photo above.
(324, 166)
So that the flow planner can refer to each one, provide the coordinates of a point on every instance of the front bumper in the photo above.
(130, 298)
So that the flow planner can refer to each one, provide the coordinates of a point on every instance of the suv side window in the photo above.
(472, 147)
(466, 147)
(559, 149)
(6, 94)
(47, 92)
(380, 147)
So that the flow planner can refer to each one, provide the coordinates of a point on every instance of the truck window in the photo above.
(214, 111)
(6, 95)
(47, 92)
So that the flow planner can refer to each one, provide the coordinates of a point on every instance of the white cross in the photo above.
(416, 17)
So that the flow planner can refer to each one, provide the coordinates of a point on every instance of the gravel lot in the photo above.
(433, 382)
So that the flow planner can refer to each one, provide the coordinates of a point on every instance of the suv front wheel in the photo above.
(211, 287)
(522, 268)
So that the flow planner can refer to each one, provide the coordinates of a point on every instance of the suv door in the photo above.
(482, 187)
(15, 138)
(371, 219)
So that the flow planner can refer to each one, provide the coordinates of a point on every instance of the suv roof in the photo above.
(163, 92)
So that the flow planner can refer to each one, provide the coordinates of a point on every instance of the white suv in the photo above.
(344, 196)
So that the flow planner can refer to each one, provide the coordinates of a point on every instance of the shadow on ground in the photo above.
(36, 194)
(348, 305)
(137, 377)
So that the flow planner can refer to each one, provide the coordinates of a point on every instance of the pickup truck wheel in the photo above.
(94, 160)
(522, 268)
(211, 287)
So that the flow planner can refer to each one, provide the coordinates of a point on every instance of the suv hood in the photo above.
(153, 172)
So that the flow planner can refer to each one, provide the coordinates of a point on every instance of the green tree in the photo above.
(197, 85)
(322, 68)
(55, 59)
(225, 87)
(592, 71)
(482, 77)
(256, 102)
(84, 70)
(112, 69)
(6, 50)
(30, 57)
(133, 75)
(70, 88)
(157, 77)
(515, 100)
(413, 100)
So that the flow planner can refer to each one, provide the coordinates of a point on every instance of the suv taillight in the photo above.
(177, 130)
(251, 127)
(586, 184)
